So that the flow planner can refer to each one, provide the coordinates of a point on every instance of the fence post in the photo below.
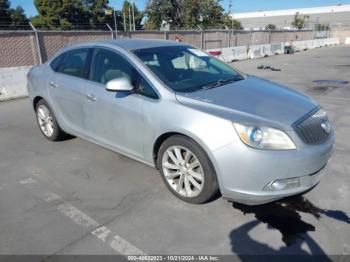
(250, 39)
(110, 29)
(229, 38)
(236, 38)
(202, 39)
(37, 42)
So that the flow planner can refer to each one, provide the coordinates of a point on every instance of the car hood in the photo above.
(252, 100)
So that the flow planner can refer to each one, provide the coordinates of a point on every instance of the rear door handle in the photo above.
(91, 97)
(53, 85)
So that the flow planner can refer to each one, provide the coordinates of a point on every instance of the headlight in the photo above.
(264, 137)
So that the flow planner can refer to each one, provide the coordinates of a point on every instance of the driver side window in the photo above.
(108, 65)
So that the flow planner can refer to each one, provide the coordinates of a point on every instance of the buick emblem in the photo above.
(326, 126)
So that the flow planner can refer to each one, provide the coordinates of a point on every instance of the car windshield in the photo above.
(186, 69)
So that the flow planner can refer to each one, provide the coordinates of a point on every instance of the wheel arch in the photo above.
(160, 140)
(36, 101)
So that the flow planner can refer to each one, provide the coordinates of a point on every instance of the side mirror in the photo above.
(119, 84)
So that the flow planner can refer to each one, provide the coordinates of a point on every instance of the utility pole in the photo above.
(124, 18)
(133, 14)
(230, 12)
(129, 18)
(115, 23)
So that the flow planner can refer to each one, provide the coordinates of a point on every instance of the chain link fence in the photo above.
(19, 48)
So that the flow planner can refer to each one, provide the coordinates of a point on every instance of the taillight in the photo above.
(215, 53)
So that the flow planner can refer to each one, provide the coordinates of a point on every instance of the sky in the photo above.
(239, 6)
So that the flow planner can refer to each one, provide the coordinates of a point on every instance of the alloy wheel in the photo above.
(183, 171)
(45, 120)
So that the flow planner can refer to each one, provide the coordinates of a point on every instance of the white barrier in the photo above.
(240, 53)
(327, 42)
(266, 50)
(226, 55)
(255, 51)
(13, 82)
(320, 43)
(299, 46)
(230, 54)
(310, 44)
(347, 41)
(335, 41)
(315, 43)
(277, 48)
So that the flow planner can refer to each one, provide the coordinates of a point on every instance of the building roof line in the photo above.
(285, 12)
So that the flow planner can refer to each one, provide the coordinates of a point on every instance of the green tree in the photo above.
(184, 14)
(229, 24)
(137, 14)
(95, 11)
(59, 14)
(4, 12)
(202, 13)
(300, 21)
(271, 27)
(161, 10)
(18, 18)
(12, 18)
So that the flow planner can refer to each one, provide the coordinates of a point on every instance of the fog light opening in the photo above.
(282, 184)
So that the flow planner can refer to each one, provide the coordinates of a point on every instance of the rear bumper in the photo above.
(245, 172)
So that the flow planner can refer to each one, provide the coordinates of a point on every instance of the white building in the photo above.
(333, 16)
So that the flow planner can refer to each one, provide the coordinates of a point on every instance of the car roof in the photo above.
(134, 44)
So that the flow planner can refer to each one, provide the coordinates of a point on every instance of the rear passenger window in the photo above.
(74, 63)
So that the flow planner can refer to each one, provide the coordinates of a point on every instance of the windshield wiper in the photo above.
(222, 82)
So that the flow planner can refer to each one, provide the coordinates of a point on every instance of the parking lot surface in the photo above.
(74, 197)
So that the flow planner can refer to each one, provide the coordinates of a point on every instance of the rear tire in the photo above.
(47, 122)
(187, 170)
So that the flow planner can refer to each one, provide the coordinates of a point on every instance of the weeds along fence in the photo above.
(22, 48)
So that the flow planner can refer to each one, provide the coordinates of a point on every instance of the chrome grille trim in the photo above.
(310, 130)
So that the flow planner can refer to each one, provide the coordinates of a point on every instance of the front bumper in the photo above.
(244, 172)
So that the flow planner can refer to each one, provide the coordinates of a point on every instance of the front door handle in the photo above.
(91, 97)
(53, 85)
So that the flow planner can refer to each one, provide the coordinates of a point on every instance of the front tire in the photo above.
(187, 170)
(47, 122)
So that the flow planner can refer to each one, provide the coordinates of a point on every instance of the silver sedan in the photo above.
(207, 127)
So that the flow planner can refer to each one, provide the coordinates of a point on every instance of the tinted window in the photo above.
(186, 69)
(74, 63)
(55, 64)
(108, 65)
(145, 89)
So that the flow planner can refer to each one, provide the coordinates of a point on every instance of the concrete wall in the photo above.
(342, 34)
(13, 82)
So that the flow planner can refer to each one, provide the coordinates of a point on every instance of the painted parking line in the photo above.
(101, 232)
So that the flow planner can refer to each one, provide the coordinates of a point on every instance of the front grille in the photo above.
(311, 130)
